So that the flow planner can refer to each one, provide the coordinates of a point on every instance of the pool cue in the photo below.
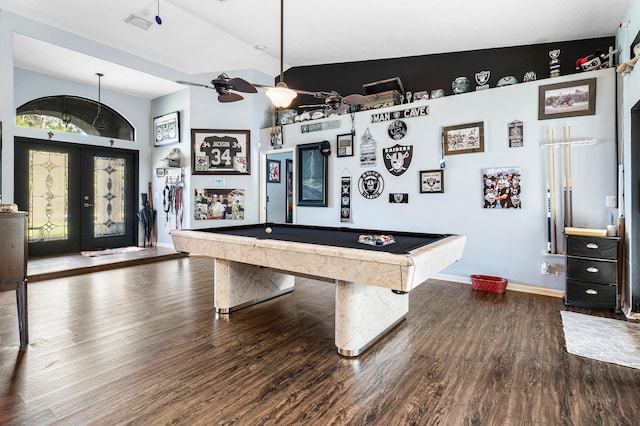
(546, 173)
(565, 194)
(153, 221)
(570, 177)
(553, 192)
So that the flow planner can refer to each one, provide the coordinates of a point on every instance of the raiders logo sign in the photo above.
(397, 158)
(482, 78)
(371, 184)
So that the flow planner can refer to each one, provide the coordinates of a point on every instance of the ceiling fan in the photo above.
(226, 87)
(335, 102)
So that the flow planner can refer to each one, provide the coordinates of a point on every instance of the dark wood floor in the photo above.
(141, 345)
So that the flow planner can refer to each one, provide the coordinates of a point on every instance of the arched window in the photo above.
(73, 114)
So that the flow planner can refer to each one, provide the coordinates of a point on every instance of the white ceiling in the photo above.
(208, 36)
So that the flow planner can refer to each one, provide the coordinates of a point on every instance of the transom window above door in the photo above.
(74, 114)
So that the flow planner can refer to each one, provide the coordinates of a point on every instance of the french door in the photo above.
(78, 197)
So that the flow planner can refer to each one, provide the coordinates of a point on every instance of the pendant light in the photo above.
(281, 96)
(98, 122)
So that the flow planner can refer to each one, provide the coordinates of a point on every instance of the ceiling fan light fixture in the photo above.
(281, 96)
(98, 122)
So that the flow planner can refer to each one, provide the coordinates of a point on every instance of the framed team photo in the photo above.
(220, 152)
(432, 181)
(464, 138)
(502, 188)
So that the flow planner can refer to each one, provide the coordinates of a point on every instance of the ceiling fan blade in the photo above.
(230, 97)
(343, 108)
(313, 106)
(241, 85)
(355, 99)
(188, 83)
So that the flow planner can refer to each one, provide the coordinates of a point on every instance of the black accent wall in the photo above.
(431, 72)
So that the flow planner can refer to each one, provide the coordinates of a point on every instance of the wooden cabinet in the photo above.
(592, 272)
(13, 272)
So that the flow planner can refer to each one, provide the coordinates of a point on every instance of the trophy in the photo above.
(554, 64)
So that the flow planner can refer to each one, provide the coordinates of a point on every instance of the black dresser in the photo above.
(592, 272)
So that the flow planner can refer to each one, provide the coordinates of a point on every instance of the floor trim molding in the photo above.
(523, 288)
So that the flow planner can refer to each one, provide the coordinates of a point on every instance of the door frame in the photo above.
(262, 173)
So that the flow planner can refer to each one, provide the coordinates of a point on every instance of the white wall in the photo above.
(508, 243)
(207, 113)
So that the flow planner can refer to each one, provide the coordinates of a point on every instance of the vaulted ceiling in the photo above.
(199, 36)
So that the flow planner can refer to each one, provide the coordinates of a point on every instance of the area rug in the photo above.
(602, 339)
(94, 253)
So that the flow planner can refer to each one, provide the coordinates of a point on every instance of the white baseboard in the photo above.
(523, 288)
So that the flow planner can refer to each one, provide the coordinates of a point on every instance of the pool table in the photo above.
(372, 282)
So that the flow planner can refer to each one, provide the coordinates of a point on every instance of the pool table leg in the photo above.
(364, 313)
(238, 285)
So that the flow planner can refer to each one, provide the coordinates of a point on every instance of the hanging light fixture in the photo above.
(98, 122)
(281, 96)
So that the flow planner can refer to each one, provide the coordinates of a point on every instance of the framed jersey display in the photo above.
(220, 152)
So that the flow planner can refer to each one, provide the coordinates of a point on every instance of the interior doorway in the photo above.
(78, 197)
(277, 184)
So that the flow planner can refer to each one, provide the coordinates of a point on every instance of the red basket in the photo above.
(489, 283)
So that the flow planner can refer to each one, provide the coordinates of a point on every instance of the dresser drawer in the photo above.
(599, 295)
(598, 247)
(595, 271)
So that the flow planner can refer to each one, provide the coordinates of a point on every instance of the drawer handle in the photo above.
(592, 269)
(591, 291)
(592, 246)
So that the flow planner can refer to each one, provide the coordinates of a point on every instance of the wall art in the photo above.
(501, 188)
(464, 138)
(345, 145)
(431, 181)
(166, 129)
(218, 204)
(224, 152)
(273, 171)
(312, 175)
(568, 99)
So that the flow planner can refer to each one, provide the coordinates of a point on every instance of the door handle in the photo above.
(87, 205)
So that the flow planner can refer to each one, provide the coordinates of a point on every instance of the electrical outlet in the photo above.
(544, 268)
(611, 201)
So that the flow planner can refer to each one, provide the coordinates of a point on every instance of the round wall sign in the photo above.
(371, 184)
(397, 129)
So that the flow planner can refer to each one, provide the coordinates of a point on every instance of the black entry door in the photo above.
(78, 197)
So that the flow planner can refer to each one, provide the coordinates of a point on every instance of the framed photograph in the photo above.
(218, 204)
(568, 99)
(160, 172)
(276, 136)
(167, 129)
(273, 171)
(464, 138)
(431, 181)
(312, 175)
(345, 145)
(220, 152)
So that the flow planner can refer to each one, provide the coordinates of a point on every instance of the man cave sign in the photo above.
(397, 158)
